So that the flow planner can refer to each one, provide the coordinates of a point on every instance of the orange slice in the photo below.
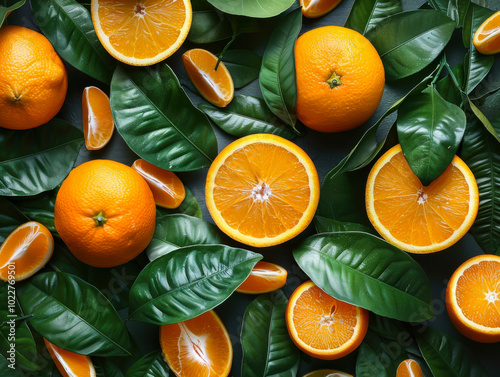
(473, 298)
(25, 251)
(322, 326)
(198, 347)
(318, 8)
(327, 373)
(487, 36)
(141, 32)
(262, 190)
(70, 364)
(216, 86)
(409, 368)
(265, 277)
(168, 190)
(98, 125)
(416, 218)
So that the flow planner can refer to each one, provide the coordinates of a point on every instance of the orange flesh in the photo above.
(265, 277)
(70, 364)
(317, 8)
(488, 35)
(409, 368)
(98, 122)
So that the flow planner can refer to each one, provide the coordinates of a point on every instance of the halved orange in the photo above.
(322, 326)
(141, 32)
(198, 347)
(417, 218)
(327, 373)
(473, 298)
(265, 277)
(70, 364)
(216, 86)
(487, 36)
(409, 368)
(98, 125)
(262, 190)
(318, 8)
(25, 251)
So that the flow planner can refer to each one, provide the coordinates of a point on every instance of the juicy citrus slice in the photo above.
(318, 8)
(198, 347)
(168, 190)
(262, 190)
(25, 251)
(409, 368)
(216, 86)
(141, 32)
(265, 277)
(473, 298)
(322, 326)
(98, 125)
(70, 364)
(487, 36)
(327, 373)
(417, 218)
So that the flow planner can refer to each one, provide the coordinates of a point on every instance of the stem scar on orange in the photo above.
(409, 368)
(318, 8)
(487, 36)
(70, 364)
(265, 277)
(98, 124)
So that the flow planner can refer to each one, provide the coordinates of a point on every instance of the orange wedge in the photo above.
(327, 373)
(409, 368)
(473, 298)
(198, 347)
(487, 36)
(322, 326)
(262, 190)
(318, 8)
(416, 218)
(98, 125)
(25, 251)
(265, 277)
(216, 86)
(70, 364)
(141, 32)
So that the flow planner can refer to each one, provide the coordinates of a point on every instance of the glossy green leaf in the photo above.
(40, 208)
(209, 25)
(106, 368)
(37, 160)
(252, 8)
(457, 9)
(447, 88)
(494, 5)
(188, 282)
(8, 6)
(366, 271)
(267, 347)
(189, 206)
(441, 5)
(493, 130)
(490, 107)
(8, 371)
(365, 14)
(324, 224)
(489, 85)
(172, 133)
(63, 260)
(244, 66)
(368, 363)
(150, 365)
(10, 218)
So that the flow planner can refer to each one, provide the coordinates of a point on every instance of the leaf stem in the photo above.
(224, 50)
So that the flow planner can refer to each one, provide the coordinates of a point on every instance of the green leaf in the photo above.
(252, 8)
(324, 224)
(244, 66)
(447, 88)
(10, 218)
(441, 5)
(150, 365)
(486, 123)
(68, 26)
(490, 4)
(457, 9)
(491, 110)
(172, 133)
(40, 208)
(63, 260)
(368, 363)
(267, 347)
(8, 371)
(7, 7)
(189, 206)
(37, 160)
(408, 42)
(188, 282)
(73, 315)
(489, 85)
(366, 14)
(209, 25)
(366, 271)
(106, 368)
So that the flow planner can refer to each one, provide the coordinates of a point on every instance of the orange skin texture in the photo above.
(127, 206)
(33, 79)
(333, 49)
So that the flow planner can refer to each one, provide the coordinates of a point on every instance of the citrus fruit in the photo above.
(141, 32)
(70, 364)
(322, 326)
(487, 36)
(265, 277)
(33, 79)
(409, 368)
(262, 190)
(318, 8)
(327, 373)
(416, 218)
(168, 190)
(473, 298)
(105, 213)
(198, 347)
(25, 251)
(98, 125)
(340, 79)
(216, 86)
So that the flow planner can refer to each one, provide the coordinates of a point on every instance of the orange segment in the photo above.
(487, 36)
(141, 32)
(327, 373)
(198, 347)
(262, 190)
(417, 218)
(70, 364)
(98, 125)
(322, 326)
(25, 251)
(409, 368)
(265, 277)
(318, 8)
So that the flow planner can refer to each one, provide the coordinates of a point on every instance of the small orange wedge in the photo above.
(70, 364)
(487, 36)
(409, 368)
(327, 373)
(98, 125)
(318, 8)
(25, 251)
(265, 277)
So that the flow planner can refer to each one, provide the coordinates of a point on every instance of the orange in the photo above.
(265, 277)
(168, 190)
(327, 373)
(98, 125)
(25, 251)
(318, 8)
(141, 32)
(33, 79)
(473, 298)
(105, 213)
(340, 79)
(409, 368)
(198, 347)
(487, 36)
(216, 86)
(70, 364)
(322, 326)
(262, 190)
(416, 218)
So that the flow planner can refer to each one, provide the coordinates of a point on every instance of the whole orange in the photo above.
(105, 213)
(340, 79)
(33, 79)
